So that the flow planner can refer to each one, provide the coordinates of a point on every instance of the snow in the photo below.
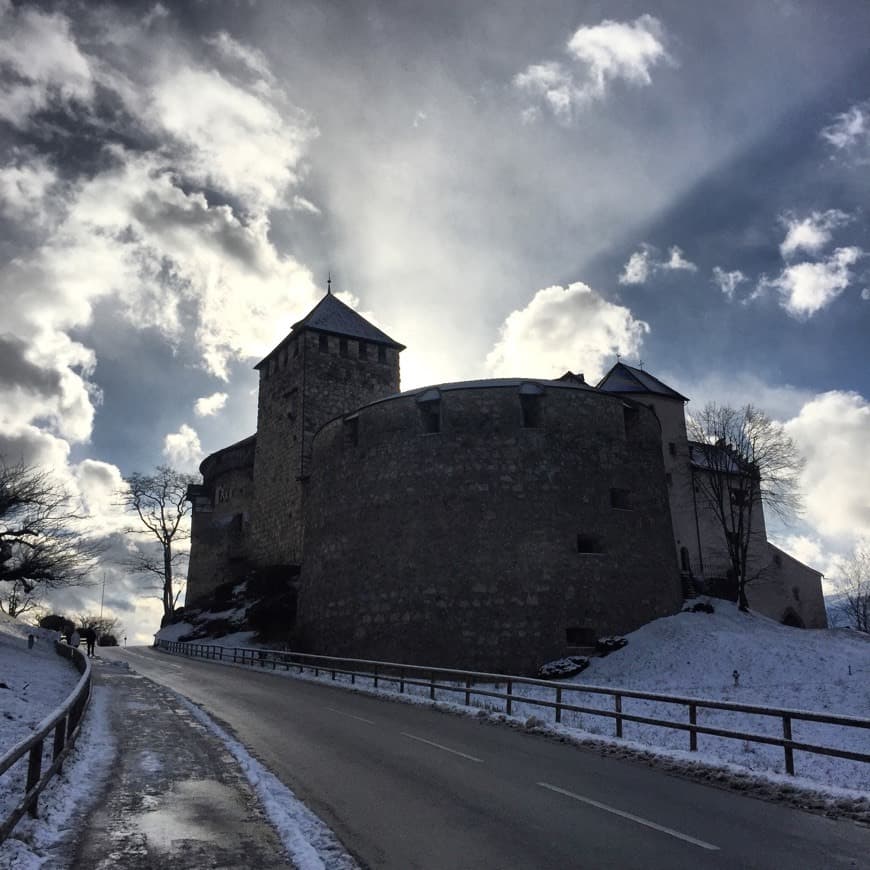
(44, 842)
(33, 682)
(309, 842)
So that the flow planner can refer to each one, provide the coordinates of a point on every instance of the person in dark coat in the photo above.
(90, 637)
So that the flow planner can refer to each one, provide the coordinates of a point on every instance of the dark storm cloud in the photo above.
(17, 371)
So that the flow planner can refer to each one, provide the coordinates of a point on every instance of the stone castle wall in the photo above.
(463, 547)
(221, 519)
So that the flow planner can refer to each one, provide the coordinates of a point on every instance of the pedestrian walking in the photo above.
(90, 636)
(75, 638)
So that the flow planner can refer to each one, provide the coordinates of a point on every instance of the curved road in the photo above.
(405, 786)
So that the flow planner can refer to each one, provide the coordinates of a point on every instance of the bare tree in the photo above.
(43, 544)
(853, 586)
(745, 463)
(100, 624)
(159, 501)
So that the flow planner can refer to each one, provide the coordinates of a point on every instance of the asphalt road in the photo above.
(405, 786)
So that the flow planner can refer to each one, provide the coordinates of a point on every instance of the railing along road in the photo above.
(464, 684)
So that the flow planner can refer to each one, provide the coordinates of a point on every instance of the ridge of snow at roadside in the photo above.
(308, 841)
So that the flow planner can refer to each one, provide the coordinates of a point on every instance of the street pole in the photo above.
(102, 596)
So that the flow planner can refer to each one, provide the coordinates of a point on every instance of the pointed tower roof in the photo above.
(333, 316)
(628, 379)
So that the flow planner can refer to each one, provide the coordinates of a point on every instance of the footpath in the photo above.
(175, 797)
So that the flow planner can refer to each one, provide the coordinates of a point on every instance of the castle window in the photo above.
(351, 431)
(342, 347)
(685, 564)
(530, 405)
(669, 479)
(323, 343)
(631, 419)
(577, 636)
(620, 499)
(777, 560)
(363, 350)
(672, 448)
(382, 354)
(589, 544)
(430, 411)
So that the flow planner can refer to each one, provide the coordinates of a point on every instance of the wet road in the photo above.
(405, 786)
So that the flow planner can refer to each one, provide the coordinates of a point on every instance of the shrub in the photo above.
(606, 645)
(107, 640)
(561, 668)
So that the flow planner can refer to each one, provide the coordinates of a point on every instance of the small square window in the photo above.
(620, 499)
(323, 343)
(589, 544)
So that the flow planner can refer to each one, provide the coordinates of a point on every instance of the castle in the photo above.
(491, 524)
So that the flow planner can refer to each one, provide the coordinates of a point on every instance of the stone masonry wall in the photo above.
(460, 548)
(221, 521)
(301, 387)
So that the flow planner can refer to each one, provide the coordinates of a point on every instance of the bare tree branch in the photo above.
(42, 542)
(159, 501)
(744, 462)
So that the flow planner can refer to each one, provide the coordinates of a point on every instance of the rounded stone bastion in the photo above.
(220, 518)
(490, 525)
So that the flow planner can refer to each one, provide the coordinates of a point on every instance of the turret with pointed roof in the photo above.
(332, 361)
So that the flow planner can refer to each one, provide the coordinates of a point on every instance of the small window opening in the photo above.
(669, 479)
(363, 350)
(589, 544)
(796, 593)
(323, 343)
(531, 408)
(672, 448)
(382, 354)
(351, 431)
(777, 560)
(575, 635)
(620, 499)
(342, 347)
(631, 419)
(430, 417)
(738, 497)
(685, 565)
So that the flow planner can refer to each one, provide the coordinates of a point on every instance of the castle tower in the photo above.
(669, 407)
(332, 362)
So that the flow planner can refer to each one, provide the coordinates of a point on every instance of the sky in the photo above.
(507, 189)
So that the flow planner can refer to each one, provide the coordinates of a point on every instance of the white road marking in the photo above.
(439, 746)
(351, 716)
(632, 818)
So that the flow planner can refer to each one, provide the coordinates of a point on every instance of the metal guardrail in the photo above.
(65, 721)
(464, 684)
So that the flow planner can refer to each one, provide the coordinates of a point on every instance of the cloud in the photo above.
(644, 263)
(638, 267)
(207, 406)
(849, 133)
(832, 431)
(599, 55)
(812, 233)
(47, 65)
(565, 328)
(728, 281)
(182, 449)
(677, 262)
(806, 288)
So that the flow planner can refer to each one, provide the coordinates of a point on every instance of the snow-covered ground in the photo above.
(695, 655)
(34, 682)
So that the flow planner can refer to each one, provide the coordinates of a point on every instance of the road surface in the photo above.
(405, 786)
